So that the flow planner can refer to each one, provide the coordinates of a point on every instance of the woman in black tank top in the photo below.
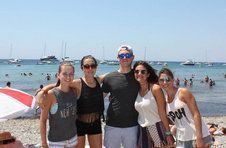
(90, 105)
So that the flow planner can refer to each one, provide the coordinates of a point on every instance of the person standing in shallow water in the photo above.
(151, 106)
(61, 106)
(121, 121)
(183, 111)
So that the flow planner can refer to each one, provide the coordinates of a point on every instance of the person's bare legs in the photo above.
(81, 142)
(95, 141)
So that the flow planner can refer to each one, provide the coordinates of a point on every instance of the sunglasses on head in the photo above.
(165, 79)
(143, 72)
(125, 55)
(92, 66)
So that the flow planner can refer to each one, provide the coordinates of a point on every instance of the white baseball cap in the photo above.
(126, 47)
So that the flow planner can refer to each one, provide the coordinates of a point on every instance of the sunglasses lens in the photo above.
(93, 66)
(140, 71)
(127, 56)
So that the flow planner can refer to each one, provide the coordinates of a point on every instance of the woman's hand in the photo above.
(170, 141)
(39, 98)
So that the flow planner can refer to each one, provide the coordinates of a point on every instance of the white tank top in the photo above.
(179, 113)
(147, 109)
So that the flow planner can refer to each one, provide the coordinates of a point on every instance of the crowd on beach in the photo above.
(146, 109)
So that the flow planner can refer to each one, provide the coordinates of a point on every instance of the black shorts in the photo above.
(88, 128)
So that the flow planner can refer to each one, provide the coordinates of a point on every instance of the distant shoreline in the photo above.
(216, 62)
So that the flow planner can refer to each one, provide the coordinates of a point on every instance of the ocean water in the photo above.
(211, 100)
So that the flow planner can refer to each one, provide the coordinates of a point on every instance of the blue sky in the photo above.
(173, 30)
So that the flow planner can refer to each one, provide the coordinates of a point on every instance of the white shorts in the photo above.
(64, 144)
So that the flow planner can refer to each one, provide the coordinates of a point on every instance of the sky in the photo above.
(158, 30)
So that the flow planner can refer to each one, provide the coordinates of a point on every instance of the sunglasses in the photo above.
(143, 72)
(165, 79)
(125, 55)
(92, 66)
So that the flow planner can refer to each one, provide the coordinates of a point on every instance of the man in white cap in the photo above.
(121, 121)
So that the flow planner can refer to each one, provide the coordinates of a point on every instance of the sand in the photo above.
(27, 129)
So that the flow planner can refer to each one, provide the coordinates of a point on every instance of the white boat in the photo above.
(209, 64)
(159, 63)
(14, 61)
(188, 63)
(103, 62)
(113, 62)
(224, 64)
(165, 64)
(67, 59)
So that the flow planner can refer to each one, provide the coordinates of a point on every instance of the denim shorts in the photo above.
(64, 144)
(191, 143)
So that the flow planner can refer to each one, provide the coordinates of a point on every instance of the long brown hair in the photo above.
(153, 78)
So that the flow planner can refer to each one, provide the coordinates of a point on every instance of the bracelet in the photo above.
(168, 133)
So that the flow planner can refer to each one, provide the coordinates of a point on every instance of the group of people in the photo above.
(141, 102)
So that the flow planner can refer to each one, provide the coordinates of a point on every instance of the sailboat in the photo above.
(209, 64)
(13, 60)
(50, 59)
(103, 61)
(66, 58)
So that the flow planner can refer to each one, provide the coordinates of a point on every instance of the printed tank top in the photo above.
(62, 116)
(179, 113)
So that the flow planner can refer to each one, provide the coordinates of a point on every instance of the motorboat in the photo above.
(188, 63)
(49, 58)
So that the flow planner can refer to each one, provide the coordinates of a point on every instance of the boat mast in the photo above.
(145, 50)
(11, 51)
(103, 54)
(44, 54)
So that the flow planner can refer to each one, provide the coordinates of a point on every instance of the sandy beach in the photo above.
(27, 129)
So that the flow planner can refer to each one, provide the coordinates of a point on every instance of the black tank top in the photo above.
(91, 99)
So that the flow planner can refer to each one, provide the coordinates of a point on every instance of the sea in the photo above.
(211, 100)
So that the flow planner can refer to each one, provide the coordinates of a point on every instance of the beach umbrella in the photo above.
(14, 103)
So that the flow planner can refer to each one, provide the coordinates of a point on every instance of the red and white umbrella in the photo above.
(14, 103)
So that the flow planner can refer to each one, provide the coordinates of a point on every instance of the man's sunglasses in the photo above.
(92, 66)
(125, 55)
(143, 72)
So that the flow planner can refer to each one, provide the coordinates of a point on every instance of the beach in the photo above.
(27, 129)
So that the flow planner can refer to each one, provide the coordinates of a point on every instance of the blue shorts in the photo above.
(115, 137)
(64, 144)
